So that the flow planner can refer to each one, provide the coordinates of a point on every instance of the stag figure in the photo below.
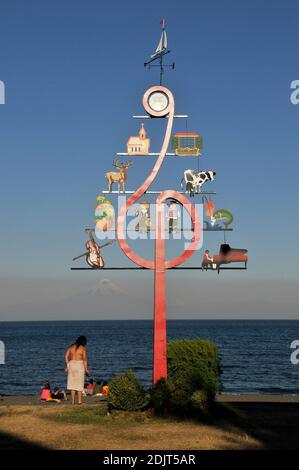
(120, 177)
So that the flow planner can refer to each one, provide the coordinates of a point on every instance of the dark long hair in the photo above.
(47, 385)
(80, 341)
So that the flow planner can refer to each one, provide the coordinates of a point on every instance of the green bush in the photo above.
(160, 395)
(193, 365)
(193, 380)
(125, 393)
(200, 402)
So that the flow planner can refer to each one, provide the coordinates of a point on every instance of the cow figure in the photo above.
(120, 177)
(194, 180)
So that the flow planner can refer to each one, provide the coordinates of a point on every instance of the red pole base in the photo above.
(160, 353)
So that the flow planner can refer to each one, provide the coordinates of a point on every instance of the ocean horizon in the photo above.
(255, 354)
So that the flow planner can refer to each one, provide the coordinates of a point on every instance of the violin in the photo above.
(93, 256)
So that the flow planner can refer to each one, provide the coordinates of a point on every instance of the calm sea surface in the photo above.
(255, 354)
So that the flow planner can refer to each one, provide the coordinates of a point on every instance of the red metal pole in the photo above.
(159, 264)
(160, 354)
(160, 340)
(160, 267)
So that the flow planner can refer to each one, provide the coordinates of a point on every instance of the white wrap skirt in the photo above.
(75, 376)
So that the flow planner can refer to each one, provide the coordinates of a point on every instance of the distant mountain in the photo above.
(100, 301)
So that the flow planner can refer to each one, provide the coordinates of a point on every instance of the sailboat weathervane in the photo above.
(159, 53)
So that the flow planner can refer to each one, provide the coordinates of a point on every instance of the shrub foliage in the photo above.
(193, 377)
(160, 395)
(194, 365)
(125, 393)
(193, 380)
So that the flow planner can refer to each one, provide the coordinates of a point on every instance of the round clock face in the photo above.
(158, 101)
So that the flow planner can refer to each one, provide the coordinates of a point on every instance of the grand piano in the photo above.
(230, 255)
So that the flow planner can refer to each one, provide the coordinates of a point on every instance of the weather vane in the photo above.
(159, 53)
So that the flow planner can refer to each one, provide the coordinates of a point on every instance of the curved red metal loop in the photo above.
(160, 200)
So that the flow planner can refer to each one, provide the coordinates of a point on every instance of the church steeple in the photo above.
(142, 132)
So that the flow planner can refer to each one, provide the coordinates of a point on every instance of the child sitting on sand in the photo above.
(89, 388)
(46, 391)
(105, 388)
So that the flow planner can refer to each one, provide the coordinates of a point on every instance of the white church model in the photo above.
(139, 145)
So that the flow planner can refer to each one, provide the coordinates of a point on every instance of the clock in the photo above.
(158, 101)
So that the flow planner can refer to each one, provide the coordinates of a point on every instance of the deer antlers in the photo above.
(128, 163)
(121, 164)
(115, 163)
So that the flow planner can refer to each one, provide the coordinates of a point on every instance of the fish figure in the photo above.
(224, 215)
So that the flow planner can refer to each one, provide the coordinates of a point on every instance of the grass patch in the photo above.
(78, 415)
(95, 415)
(61, 428)
(10, 412)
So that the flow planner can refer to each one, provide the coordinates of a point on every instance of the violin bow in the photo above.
(106, 244)
(80, 256)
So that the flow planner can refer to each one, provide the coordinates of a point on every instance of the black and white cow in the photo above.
(194, 180)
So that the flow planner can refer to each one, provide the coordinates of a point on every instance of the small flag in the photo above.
(162, 22)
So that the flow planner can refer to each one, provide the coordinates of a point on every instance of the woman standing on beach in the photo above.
(76, 367)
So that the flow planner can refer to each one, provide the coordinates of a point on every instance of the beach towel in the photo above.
(75, 377)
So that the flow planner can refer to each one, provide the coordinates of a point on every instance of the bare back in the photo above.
(76, 354)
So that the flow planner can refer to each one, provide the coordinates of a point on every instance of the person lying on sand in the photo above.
(57, 395)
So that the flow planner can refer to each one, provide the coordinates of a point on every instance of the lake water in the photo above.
(255, 354)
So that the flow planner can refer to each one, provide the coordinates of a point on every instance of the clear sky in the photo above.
(74, 76)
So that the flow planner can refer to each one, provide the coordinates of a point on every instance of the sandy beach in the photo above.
(240, 422)
(256, 398)
(28, 400)
(24, 400)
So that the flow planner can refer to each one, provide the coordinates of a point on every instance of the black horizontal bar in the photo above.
(238, 268)
(179, 230)
(148, 193)
(166, 230)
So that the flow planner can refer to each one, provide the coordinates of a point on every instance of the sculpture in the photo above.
(93, 256)
(120, 177)
(104, 214)
(144, 220)
(139, 145)
(187, 144)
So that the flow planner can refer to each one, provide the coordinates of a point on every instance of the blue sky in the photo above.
(74, 76)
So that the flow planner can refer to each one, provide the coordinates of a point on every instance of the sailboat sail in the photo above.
(162, 46)
(165, 39)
